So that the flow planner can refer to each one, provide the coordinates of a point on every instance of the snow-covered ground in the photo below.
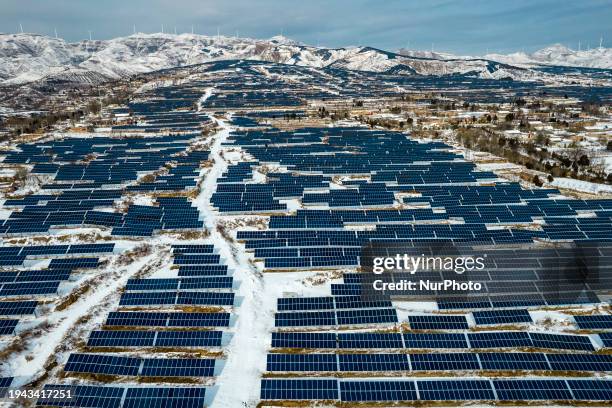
(582, 186)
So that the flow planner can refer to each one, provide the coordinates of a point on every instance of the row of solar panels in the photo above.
(94, 396)
(174, 330)
(470, 340)
(142, 367)
(369, 362)
(389, 390)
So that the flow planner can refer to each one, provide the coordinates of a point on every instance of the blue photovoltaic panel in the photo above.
(173, 319)
(90, 396)
(301, 362)
(308, 303)
(177, 319)
(594, 321)
(532, 390)
(174, 367)
(366, 316)
(117, 338)
(102, 364)
(7, 326)
(606, 339)
(561, 341)
(374, 362)
(188, 339)
(513, 361)
(455, 390)
(205, 298)
(444, 362)
(502, 316)
(299, 389)
(438, 322)
(501, 339)
(593, 390)
(304, 340)
(370, 340)
(18, 308)
(375, 391)
(304, 319)
(435, 340)
(165, 397)
(580, 362)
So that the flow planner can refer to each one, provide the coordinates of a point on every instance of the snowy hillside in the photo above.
(559, 55)
(29, 57)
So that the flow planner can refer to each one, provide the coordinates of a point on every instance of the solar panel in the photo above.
(438, 322)
(175, 367)
(91, 396)
(366, 316)
(531, 390)
(26, 307)
(580, 362)
(7, 326)
(355, 391)
(455, 390)
(304, 340)
(591, 390)
(102, 364)
(115, 338)
(594, 321)
(305, 319)
(188, 339)
(499, 339)
(299, 389)
(561, 341)
(301, 362)
(513, 361)
(502, 316)
(369, 340)
(164, 397)
(444, 362)
(374, 362)
(435, 340)
(309, 303)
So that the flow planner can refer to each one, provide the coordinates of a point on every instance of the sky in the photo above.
(472, 27)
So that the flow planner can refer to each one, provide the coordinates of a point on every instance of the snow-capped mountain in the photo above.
(30, 57)
(558, 54)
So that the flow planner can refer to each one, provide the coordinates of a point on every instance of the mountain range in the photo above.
(26, 58)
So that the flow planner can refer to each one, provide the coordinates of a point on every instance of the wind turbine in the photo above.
(21, 28)
(601, 42)
(89, 31)
(55, 31)
(134, 29)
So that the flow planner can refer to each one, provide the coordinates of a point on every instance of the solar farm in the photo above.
(208, 252)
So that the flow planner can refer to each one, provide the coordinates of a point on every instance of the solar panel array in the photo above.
(89, 176)
(395, 390)
(22, 288)
(451, 346)
(158, 331)
(353, 186)
(124, 397)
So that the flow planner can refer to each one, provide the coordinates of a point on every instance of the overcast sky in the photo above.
(458, 26)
